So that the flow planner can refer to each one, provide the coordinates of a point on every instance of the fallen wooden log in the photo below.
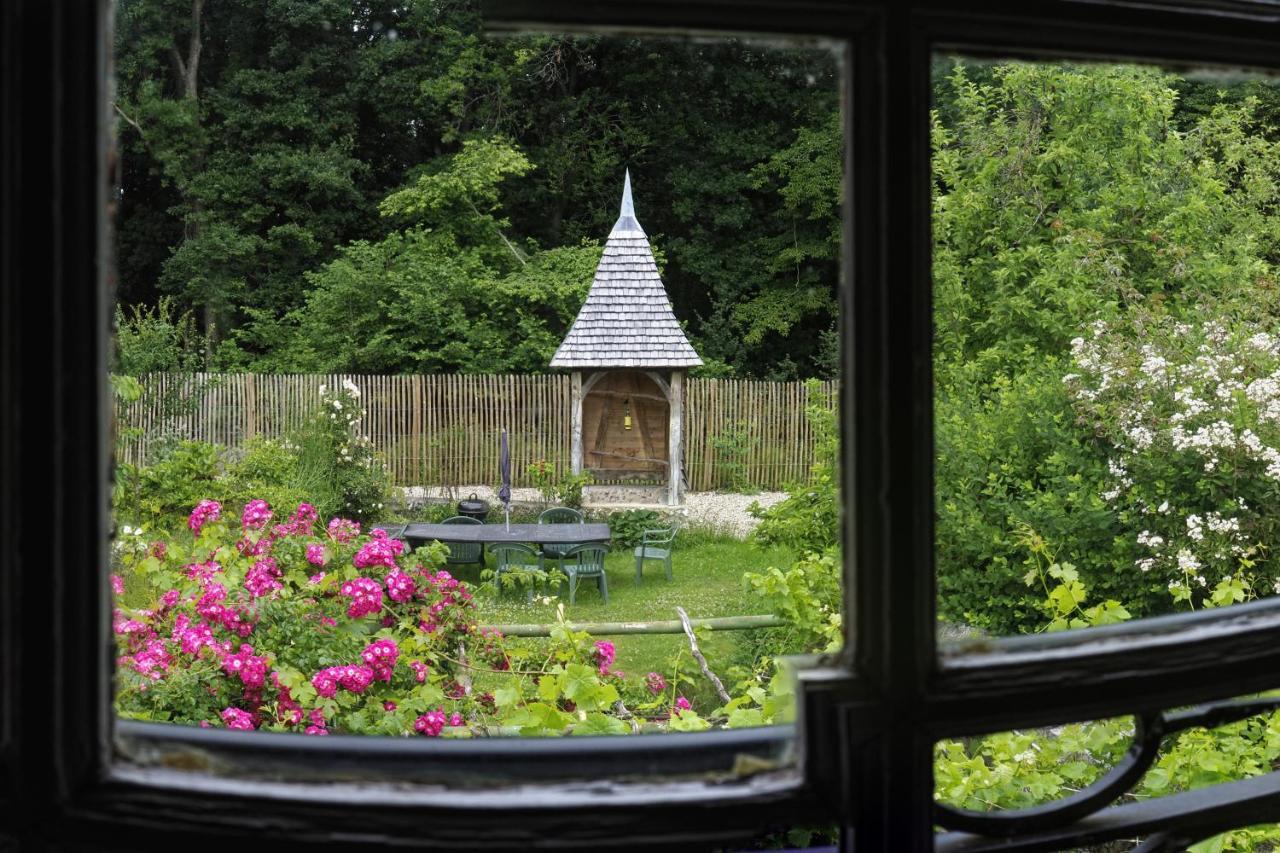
(669, 626)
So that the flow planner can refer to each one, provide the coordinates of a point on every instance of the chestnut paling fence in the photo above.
(442, 430)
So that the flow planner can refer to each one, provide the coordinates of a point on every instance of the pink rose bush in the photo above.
(400, 586)
(242, 632)
(238, 719)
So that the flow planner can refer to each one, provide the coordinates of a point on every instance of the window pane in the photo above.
(1014, 770)
(1105, 342)
(395, 297)
(1021, 781)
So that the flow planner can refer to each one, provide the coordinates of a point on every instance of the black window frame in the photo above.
(869, 717)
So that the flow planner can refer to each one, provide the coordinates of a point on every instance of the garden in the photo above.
(1106, 240)
(241, 613)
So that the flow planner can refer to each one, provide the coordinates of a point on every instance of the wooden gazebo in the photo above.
(629, 356)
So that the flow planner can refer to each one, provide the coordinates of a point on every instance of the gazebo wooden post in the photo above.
(675, 434)
(575, 422)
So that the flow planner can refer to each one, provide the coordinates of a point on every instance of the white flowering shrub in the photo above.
(337, 461)
(1190, 412)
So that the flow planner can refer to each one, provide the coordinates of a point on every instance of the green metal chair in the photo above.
(464, 552)
(516, 558)
(655, 545)
(559, 515)
(586, 561)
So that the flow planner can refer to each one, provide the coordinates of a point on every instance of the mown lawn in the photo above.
(707, 582)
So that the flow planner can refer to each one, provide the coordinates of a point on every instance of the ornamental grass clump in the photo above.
(241, 631)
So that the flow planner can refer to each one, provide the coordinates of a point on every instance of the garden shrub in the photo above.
(337, 464)
(1066, 195)
(434, 512)
(161, 493)
(731, 446)
(628, 525)
(325, 457)
(808, 519)
(565, 490)
(159, 339)
(1015, 455)
(807, 595)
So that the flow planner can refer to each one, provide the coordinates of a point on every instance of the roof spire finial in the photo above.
(628, 209)
(627, 223)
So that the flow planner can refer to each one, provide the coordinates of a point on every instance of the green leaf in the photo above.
(580, 683)
(745, 718)
(506, 697)
(1210, 845)
(600, 724)
(548, 687)
(687, 721)
(1066, 597)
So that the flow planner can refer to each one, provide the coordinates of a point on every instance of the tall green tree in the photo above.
(448, 290)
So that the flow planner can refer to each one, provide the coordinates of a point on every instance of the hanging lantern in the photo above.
(626, 413)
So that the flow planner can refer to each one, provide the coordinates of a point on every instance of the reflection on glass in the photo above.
(1020, 769)
(1107, 352)
(448, 369)
(985, 783)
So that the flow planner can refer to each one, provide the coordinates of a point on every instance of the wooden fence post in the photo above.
(250, 408)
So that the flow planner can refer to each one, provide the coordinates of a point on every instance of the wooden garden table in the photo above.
(419, 533)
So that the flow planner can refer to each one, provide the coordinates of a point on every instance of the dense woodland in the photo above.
(378, 187)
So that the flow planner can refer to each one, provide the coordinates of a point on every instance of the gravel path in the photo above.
(727, 511)
(721, 510)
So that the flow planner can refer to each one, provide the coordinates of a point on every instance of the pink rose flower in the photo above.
(234, 718)
(365, 595)
(204, 512)
(430, 724)
(256, 514)
(655, 683)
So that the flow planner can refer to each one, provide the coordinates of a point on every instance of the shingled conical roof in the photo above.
(627, 319)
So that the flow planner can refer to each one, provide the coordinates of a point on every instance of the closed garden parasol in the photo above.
(504, 466)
